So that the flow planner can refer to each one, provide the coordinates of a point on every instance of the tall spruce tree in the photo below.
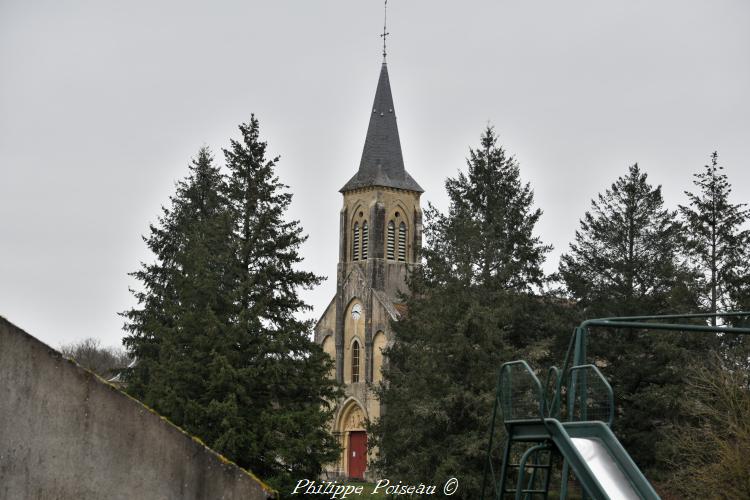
(624, 261)
(183, 297)
(716, 239)
(624, 257)
(471, 308)
(280, 417)
(221, 350)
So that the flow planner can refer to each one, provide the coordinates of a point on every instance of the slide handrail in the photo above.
(607, 389)
(554, 376)
(576, 354)
(725, 314)
(509, 399)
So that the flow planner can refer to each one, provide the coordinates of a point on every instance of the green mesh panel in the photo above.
(593, 395)
(519, 393)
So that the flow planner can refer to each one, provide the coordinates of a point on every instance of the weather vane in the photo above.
(385, 24)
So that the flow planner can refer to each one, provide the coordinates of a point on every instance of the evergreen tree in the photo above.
(471, 307)
(487, 236)
(624, 257)
(716, 242)
(279, 421)
(623, 262)
(181, 303)
(220, 348)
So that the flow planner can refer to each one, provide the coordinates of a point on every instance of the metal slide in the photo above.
(599, 461)
(569, 418)
(585, 442)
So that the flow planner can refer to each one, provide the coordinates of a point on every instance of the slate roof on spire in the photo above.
(382, 163)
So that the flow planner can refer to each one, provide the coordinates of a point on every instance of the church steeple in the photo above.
(382, 163)
(380, 234)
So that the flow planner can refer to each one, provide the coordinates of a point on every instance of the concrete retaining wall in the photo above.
(67, 434)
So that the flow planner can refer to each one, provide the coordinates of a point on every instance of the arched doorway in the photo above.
(352, 429)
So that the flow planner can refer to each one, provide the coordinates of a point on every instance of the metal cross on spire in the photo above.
(385, 34)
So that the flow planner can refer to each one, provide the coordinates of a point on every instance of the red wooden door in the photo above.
(357, 454)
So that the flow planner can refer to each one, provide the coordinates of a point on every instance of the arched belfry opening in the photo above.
(390, 246)
(402, 242)
(355, 241)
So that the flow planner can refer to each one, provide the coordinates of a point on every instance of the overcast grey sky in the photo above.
(103, 103)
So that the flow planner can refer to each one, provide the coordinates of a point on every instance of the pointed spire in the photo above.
(382, 163)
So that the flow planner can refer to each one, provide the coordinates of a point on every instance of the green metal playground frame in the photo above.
(533, 416)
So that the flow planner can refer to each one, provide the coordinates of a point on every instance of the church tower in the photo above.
(380, 231)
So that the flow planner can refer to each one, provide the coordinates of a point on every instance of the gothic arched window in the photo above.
(365, 240)
(355, 241)
(355, 361)
(402, 242)
(390, 242)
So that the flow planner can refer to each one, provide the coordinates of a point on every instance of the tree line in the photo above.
(481, 298)
(220, 349)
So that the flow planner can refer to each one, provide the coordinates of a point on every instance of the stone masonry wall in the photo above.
(66, 434)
